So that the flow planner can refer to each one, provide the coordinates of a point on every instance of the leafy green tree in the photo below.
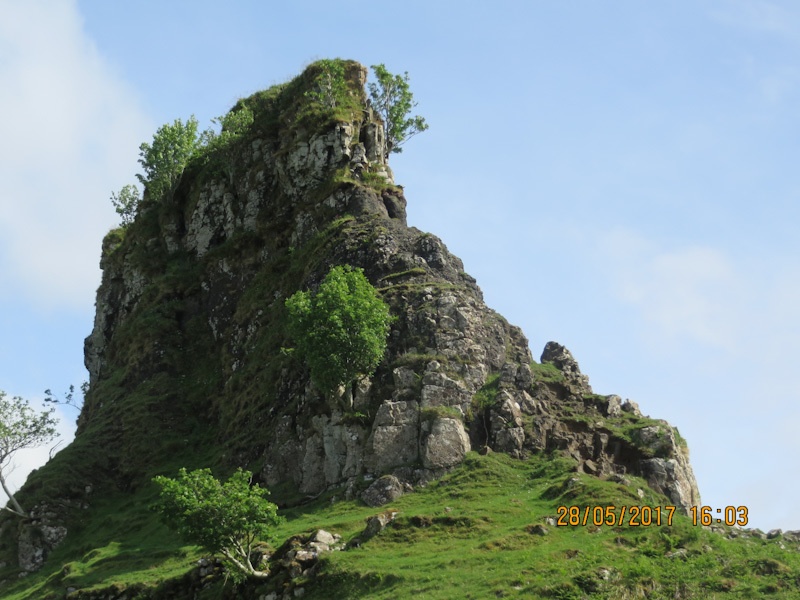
(340, 331)
(393, 100)
(232, 126)
(164, 162)
(126, 203)
(227, 518)
(21, 427)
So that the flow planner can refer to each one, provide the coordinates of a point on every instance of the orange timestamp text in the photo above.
(730, 515)
(633, 516)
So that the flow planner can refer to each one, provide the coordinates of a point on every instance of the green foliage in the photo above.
(431, 413)
(393, 100)
(233, 125)
(546, 372)
(228, 518)
(341, 331)
(164, 162)
(486, 397)
(21, 427)
(330, 85)
(126, 203)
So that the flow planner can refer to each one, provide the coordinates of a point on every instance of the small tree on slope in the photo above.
(21, 427)
(227, 518)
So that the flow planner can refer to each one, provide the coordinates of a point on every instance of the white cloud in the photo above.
(70, 132)
(744, 307)
(691, 293)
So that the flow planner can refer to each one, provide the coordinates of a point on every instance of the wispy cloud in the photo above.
(691, 293)
(70, 133)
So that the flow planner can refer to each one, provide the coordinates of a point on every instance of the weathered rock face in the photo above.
(280, 213)
(39, 536)
(190, 323)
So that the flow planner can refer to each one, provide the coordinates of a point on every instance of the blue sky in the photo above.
(620, 177)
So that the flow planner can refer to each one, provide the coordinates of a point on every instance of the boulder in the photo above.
(631, 407)
(377, 524)
(384, 490)
(444, 443)
(395, 432)
(673, 478)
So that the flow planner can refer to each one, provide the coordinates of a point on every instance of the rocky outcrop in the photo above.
(418, 413)
(39, 535)
(190, 328)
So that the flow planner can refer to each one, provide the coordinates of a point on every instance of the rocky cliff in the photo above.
(186, 363)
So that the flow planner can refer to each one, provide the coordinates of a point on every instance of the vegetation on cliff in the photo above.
(341, 329)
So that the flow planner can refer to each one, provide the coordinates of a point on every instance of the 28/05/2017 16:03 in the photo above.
(644, 516)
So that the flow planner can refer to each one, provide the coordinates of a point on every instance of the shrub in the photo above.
(229, 518)
(341, 330)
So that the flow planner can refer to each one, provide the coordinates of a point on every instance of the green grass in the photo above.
(546, 372)
(469, 535)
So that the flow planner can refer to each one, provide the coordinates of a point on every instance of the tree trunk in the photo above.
(11, 498)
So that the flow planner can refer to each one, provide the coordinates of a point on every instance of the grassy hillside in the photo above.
(472, 534)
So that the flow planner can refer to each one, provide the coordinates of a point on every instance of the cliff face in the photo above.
(185, 357)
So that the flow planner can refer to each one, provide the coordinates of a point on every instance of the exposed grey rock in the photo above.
(528, 404)
(382, 491)
(323, 537)
(508, 411)
(404, 377)
(444, 443)
(508, 375)
(631, 407)
(377, 524)
(613, 406)
(539, 529)
(440, 390)
(35, 542)
(212, 220)
(673, 478)
(509, 439)
(524, 377)
(394, 435)
(562, 359)
(774, 533)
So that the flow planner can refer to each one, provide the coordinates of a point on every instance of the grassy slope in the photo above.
(466, 536)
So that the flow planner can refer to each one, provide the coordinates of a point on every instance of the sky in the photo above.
(620, 177)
